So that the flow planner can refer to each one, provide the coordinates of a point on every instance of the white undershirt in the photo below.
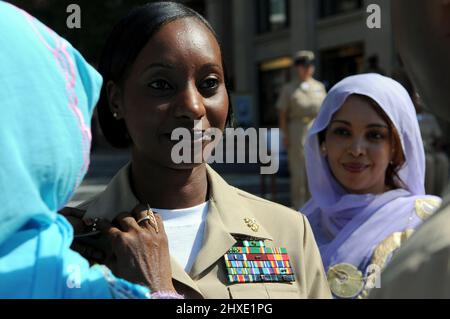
(184, 229)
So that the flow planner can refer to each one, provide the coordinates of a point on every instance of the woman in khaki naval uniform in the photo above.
(366, 165)
(224, 243)
(298, 105)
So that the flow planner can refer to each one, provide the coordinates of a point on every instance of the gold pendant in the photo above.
(345, 280)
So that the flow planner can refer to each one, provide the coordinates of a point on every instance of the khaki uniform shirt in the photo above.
(278, 227)
(421, 269)
(301, 100)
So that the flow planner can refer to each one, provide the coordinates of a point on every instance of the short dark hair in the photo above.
(128, 37)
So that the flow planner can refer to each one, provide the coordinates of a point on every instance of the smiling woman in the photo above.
(365, 165)
(363, 147)
(163, 70)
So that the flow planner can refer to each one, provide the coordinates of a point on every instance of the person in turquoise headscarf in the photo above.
(47, 94)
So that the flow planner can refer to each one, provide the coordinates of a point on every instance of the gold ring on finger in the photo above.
(144, 219)
(152, 218)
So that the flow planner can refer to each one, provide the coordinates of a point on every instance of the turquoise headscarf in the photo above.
(47, 95)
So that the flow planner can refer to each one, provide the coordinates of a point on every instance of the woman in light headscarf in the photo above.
(47, 94)
(365, 165)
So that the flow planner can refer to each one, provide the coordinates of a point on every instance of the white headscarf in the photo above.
(356, 223)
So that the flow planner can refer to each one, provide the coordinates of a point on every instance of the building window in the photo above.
(272, 75)
(338, 63)
(272, 15)
(335, 7)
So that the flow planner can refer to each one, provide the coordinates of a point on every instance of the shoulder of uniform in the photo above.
(275, 217)
(317, 83)
(280, 209)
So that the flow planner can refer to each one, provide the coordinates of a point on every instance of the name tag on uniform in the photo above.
(252, 261)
